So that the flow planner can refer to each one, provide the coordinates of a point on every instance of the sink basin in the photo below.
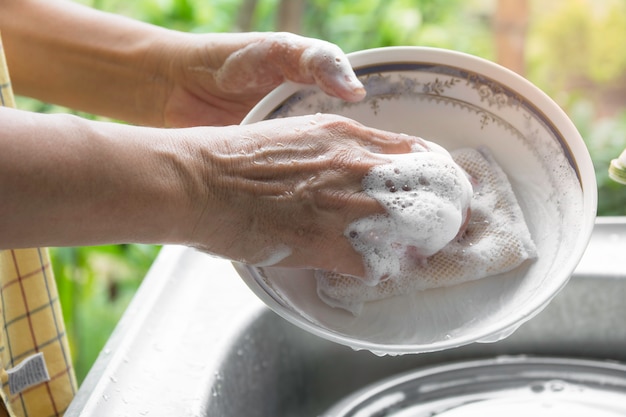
(195, 341)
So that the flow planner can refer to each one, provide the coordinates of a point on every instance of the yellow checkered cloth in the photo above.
(31, 320)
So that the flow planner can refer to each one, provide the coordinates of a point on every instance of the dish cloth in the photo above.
(496, 240)
(35, 364)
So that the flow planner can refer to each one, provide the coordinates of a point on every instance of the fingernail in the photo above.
(358, 91)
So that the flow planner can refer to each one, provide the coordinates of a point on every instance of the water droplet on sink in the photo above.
(557, 386)
(537, 388)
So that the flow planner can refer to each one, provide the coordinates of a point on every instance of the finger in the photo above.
(386, 142)
(331, 71)
(336, 254)
(395, 143)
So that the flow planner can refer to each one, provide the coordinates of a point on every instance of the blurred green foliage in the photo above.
(576, 54)
(580, 41)
(606, 139)
(574, 48)
(95, 286)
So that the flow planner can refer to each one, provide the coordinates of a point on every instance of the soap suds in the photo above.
(267, 62)
(496, 240)
(426, 196)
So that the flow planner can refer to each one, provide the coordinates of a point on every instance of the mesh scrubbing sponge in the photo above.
(496, 240)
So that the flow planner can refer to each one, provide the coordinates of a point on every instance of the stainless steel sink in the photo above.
(196, 342)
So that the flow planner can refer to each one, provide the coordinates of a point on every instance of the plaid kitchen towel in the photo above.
(35, 365)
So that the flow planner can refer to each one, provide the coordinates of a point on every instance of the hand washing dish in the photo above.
(457, 101)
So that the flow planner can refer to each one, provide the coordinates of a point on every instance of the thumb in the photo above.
(331, 70)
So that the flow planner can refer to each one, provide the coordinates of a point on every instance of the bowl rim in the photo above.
(540, 102)
(603, 374)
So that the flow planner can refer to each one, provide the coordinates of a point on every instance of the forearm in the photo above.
(65, 53)
(284, 188)
(69, 181)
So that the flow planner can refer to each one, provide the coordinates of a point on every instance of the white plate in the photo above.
(456, 100)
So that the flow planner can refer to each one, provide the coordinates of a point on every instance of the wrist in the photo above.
(131, 185)
(162, 185)
(73, 182)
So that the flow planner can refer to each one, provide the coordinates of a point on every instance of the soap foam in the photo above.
(496, 240)
(426, 196)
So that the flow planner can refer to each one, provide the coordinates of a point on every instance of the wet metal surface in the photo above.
(196, 342)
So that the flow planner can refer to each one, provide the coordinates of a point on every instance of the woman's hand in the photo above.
(215, 79)
(285, 191)
(275, 192)
(76, 56)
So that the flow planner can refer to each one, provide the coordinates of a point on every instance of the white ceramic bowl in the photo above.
(456, 100)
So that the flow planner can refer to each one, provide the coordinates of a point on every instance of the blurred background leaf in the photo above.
(572, 49)
(95, 286)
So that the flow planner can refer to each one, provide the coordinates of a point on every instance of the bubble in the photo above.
(427, 215)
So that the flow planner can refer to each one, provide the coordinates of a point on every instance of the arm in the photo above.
(240, 192)
(68, 181)
(68, 54)
(64, 53)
